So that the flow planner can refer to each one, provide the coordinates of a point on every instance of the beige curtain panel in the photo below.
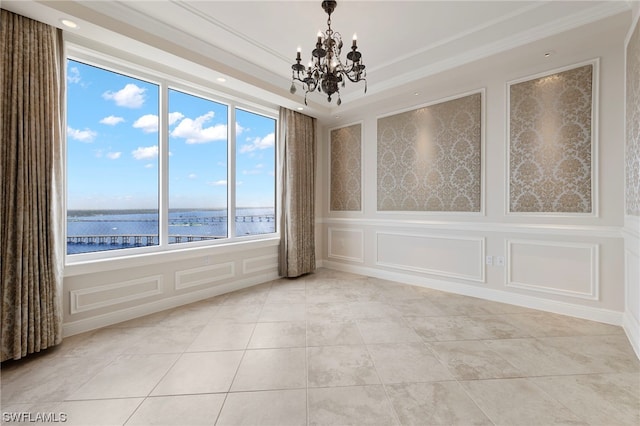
(297, 168)
(30, 132)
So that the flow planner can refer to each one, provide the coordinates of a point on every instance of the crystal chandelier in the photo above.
(326, 72)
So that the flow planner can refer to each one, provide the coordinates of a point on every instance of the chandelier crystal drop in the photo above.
(326, 72)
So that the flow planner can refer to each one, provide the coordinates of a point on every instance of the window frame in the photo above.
(167, 81)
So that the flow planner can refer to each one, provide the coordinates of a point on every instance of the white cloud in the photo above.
(175, 116)
(217, 183)
(194, 132)
(259, 143)
(148, 123)
(192, 176)
(85, 135)
(239, 129)
(130, 96)
(255, 171)
(145, 152)
(148, 166)
(113, 155)
(112, 120)
(73, 76)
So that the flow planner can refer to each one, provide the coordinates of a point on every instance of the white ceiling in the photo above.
(253, 43)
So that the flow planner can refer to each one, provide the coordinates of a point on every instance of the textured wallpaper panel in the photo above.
(429, 158)
(346, 169)
(550, 143)
(633, 125)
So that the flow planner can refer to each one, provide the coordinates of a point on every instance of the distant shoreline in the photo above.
(88, 212)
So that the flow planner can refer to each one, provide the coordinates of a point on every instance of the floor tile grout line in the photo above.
(579, 416)
(472, 399)
(236, 373)
(135, 410)
(384, 388)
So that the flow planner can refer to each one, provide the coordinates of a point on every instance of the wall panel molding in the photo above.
(260, 264)
(572, 309)
(430, 159)
(346, 248)
(544, 266)
(632, 290)
(345, 168)
(98, 321)
(204, 275)
(507, 228)
(444, 256)
(552, 136)
(92, 298)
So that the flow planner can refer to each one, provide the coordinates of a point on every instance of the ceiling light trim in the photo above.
(556, 27)
(202, 15)
(459, 36)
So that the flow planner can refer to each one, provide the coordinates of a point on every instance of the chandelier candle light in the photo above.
(326, 72)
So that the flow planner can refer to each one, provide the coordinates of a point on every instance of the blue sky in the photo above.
(112, 146)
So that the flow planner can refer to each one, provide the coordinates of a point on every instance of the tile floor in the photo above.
(335, 349)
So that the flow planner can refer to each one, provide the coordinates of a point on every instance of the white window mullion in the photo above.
(163, 127)
(231, 172)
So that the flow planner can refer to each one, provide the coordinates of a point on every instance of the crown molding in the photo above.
(539, 32)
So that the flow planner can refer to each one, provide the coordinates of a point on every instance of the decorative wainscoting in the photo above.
(100, 294)
(195, 277)
(561, 269)
(566, 269)
(262, 264)
(89, 299)
(632, 280)
(346, 244)
(449, 257)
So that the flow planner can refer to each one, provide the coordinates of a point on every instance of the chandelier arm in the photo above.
(354, 79)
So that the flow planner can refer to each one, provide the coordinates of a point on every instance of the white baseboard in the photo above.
(99, 321)
(632, 329)
(585, 312)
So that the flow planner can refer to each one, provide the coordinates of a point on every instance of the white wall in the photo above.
(566, 264)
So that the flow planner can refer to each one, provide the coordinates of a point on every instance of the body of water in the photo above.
(98, 230)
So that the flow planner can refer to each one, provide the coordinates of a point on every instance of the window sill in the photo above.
(157, 257)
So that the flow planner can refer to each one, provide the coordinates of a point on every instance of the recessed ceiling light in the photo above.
(69, 23)
(549, 53)
(416, 94)
(221, 79)
(300, 108)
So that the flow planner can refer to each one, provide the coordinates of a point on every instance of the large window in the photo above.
(255, 173)
(198, 169)
(153, 165)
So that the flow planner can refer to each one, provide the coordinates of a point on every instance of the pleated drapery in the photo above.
(297, 167)
(31, 99)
